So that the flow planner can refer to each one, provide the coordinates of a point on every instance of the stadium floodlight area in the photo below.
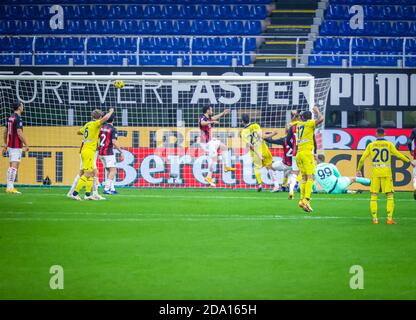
(157, 118)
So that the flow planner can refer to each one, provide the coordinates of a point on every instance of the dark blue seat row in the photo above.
(378, 2)
(169, 11)
(364, 44)
(148, 58)
(361, 58)
(137, 1)
(167, 27)
(372, 12)
(371, 28)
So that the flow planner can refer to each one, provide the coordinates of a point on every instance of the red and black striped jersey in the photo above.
(107, 134)
(13, 124)
(205, 130)
(291, 139)
(412, 143)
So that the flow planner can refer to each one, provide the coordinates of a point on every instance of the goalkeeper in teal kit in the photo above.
(330, 180)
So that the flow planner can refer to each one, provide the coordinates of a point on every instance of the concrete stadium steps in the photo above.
(291, 19)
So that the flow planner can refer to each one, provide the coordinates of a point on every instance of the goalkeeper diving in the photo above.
(328, 177)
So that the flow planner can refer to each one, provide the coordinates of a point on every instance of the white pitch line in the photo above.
(136, 217)
(208, 196)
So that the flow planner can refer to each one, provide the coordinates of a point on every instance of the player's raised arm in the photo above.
(224, 113)
(107, 116)
(319, 115)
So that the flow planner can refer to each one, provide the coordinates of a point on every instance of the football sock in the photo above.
(390, 206)
(225, 158)
(112, 186)
(284, 185)
(81, 184)
(292, 182)
(308, 188)
(88, 185)
(363, 181)
(257, 173)
(210, 167)
(11, 177)
(95, 185)
(74, 184)
(302, 190)
(273, 176)
(373, 206)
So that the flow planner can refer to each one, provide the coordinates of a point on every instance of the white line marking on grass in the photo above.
(137, 217)
(207, 196)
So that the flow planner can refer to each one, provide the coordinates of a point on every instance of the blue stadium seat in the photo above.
(134, 11)
(241, 12)
(329, 28)
(252, 27)
(83, 12)
(219, 27)
(172, 11)
(205, 11)
(370, 12)
(202, 27)
(258, 12)
(188, 11)
(401, 28)
(407, 12)
(100, 11)
(31, 12)
(223, 12)
(411, 46)
(236, 27)
(117, 12)
(153, 11)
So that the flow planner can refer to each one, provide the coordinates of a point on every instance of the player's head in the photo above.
(18, 106)
(245, 119)
(380, 132)
(294, 115)
(321, 158)
(306, 115)
(97, 114)
(111, 119)
(207, 110)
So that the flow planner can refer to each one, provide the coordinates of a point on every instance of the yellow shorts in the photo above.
(267, 158)
(306, 162)
(383, 183)
(87, 157)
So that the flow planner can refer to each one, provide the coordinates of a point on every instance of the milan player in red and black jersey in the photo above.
(14, 140)
(211, 145)
(108, 142)
(412, 148)
(285, 164)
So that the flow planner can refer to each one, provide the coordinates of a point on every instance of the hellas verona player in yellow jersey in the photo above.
(90, 133)
(305, 137)
(380, 153)
(260, 153)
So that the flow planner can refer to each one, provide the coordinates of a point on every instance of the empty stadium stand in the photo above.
(387, 39)
(132, 32)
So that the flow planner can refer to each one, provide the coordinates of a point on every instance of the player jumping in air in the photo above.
(14, 140)
(330, 180)
(108, 141)
(412, 148)
(305, 137)
(211, 145)
(381, 152)
(89, 146)
(253, 138)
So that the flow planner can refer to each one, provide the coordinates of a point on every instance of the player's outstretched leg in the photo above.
(74, 184)
(292, 182)
(373, 207)
(211, 164)
(95, 184)
(226, 158)
(257, 173)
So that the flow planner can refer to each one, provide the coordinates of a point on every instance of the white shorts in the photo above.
(211, 148)
(280, 166)
(108, 161)
(94, 164)
(15, 154)
(294, 164)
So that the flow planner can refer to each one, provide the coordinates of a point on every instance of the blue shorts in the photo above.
(342, 185)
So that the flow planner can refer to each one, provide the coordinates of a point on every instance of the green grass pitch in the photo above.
(204, 244)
